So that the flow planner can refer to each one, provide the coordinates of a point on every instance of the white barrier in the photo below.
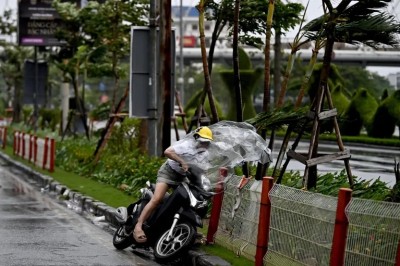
(26, 147)
(39, 151)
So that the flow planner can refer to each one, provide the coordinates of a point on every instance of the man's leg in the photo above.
(159, 192)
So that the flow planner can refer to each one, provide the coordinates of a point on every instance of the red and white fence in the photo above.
(39, 151)
(279, 225)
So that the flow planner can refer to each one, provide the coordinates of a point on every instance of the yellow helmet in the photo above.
(203, 132)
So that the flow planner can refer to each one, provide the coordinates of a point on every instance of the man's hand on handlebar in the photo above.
(184, 166)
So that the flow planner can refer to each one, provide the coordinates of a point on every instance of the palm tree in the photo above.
(208, 88)
(363, 22)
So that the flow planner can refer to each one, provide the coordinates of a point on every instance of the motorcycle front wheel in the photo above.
(183, 237)
(121, 239)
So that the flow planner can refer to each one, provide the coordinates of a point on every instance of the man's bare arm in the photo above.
(171, 154)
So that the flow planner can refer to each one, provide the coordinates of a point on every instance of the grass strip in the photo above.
(89, 187)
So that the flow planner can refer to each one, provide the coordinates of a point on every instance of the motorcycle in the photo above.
(172, 228)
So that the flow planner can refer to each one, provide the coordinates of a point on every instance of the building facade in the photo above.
(394, 80)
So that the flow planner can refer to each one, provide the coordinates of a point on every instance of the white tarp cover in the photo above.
(234, 143)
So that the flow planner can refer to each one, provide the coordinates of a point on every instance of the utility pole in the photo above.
(182, 79)
(153, 95)
(165, 81)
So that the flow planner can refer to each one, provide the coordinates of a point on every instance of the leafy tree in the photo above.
(386, 117)
(201, 7)
(249, 78)
(359, 113)
(98, 37)
(252, 21)
(355, 77)
(12, 59)
(362, 22)
(334, 79)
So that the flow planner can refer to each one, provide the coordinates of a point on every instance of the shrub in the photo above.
(127, 169)
(359, 113)
(386, 117)
(193, 103)
(330, 183)
(49, 118)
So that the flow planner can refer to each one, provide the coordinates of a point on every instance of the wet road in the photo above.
(36, 230)
(367, 162)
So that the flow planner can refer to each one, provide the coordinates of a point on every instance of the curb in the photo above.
(83, 203)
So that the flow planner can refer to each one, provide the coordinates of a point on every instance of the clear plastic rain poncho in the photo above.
(234, 143)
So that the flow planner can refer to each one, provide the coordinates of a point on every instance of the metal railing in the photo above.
(303, 226)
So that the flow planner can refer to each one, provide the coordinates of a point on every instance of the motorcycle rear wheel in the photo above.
(122, 240)
(182, 239)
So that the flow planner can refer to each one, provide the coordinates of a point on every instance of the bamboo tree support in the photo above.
(110, 123)
(285, 142)
(294, 146)
(181, 114)
(309, 160)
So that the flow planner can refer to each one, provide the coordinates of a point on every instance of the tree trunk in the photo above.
(329, 31)
(277, 64)
(267, 67)
(236, 73)
(306, 77)
(215, 35)
(261, 169)
(17, 101)
(235, 57)
(207, 79)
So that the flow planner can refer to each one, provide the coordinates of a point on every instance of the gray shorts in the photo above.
(167, 175)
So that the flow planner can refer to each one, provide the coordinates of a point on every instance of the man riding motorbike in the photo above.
(173, 171)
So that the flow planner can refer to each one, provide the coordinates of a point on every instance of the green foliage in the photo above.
(101, 112)
(121, 164)
(359, 113)
(394, 195)
(124, 170)
(339, 99)
(386, 117)
(27, 112)
(357, 22)
(385, 94)
(3, 105)
(193, 103)
(129, 171)
(75, 154)
(244, 59)
(125, 137)
(279, 118)
(252, 20)
(248, 80)
(49, 118)
(330, 183)
(334, 79)
(355, 77)
(383, 125)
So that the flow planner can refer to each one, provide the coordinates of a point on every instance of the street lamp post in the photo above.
(182, 83)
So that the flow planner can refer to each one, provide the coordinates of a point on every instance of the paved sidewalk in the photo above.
(96, 210)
